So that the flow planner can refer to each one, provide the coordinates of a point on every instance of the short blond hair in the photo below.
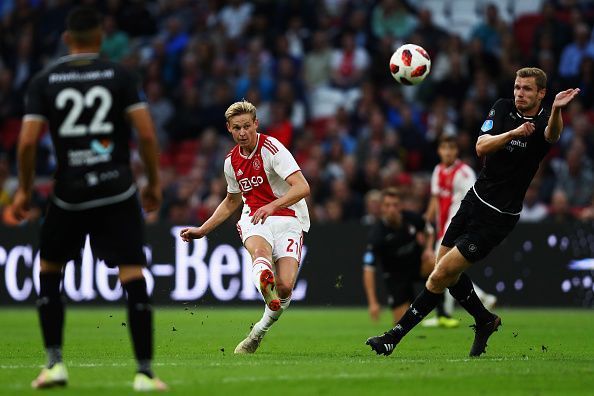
(539, 76)
(242, 107)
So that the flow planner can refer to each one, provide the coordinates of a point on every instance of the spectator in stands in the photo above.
(235, 17)
(391, 18)
(281, 127)
(560, 210)
(431, 35)
(161, 109)
(575, 175)
(348, 64)
(115, 42)
(317, 69)
(490, 31)
(553, 28)
(373, 200)
(574, 52)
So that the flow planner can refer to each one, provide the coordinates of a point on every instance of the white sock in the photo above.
(260, 264)
(269, 317)
(448, 303)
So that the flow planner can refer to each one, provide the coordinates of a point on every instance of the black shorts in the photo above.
(476, 229)
(400, 287)
(116, 233)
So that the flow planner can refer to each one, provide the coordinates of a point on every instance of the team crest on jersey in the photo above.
(256, 163)
(487, 125)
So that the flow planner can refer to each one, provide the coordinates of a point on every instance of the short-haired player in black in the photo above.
(514, 139)
(402, 243)
(89, 104)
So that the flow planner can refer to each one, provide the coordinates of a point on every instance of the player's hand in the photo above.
(20, 204)
(151, 197)
(374, 311)
(564, 97)
(262, 214)
(187, 234)
(526, 129)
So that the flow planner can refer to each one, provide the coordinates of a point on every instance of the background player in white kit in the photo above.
(450, 181)
(263, 172)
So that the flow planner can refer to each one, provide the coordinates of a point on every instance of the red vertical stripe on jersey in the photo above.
(253, 181)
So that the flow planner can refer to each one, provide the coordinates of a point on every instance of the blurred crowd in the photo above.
(318, 73)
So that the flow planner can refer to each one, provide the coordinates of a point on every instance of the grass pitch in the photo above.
(308, 352)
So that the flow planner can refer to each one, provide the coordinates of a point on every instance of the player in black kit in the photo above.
(89, 104)
(515, 137)
(402, 243)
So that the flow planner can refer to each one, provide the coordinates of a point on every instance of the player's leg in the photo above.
(442, 318)
(262, 270)
(50, 307)
(446, 270)
(140, 324)
(286, 276)
(117, 236)
(287, 239)
(61, 239)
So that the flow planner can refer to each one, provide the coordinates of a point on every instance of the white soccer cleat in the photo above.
(489, 301)
(249, 345)
(144, 383)
(51, 377)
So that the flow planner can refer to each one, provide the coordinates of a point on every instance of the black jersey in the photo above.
(85, 101)
(396, 249)
(507, 173)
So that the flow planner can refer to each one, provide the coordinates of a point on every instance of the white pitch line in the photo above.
(247, 362)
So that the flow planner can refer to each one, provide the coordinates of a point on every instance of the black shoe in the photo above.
(481, 335)
(384, 344)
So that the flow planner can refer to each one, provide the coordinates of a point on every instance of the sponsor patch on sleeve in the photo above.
(487, 125)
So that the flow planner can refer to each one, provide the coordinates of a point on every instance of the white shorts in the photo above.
(283, 233)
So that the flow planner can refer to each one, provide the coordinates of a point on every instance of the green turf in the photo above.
(308, 352)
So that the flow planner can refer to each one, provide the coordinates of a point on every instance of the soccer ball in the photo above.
(410, 64)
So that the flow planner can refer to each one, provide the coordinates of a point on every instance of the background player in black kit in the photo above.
(402, 243)
(88, 103)
(514, 139)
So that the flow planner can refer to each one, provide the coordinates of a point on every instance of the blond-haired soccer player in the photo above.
(262, 173)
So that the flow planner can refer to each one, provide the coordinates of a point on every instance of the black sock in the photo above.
(51, 314)
(463, 292)
(439, 308)
(140, 320)
(421, 307)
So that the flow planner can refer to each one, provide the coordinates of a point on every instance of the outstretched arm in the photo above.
(555, 125)
(222, 213)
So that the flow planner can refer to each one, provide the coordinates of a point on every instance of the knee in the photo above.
(284, 289)
(262, 252)
(442, 277)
